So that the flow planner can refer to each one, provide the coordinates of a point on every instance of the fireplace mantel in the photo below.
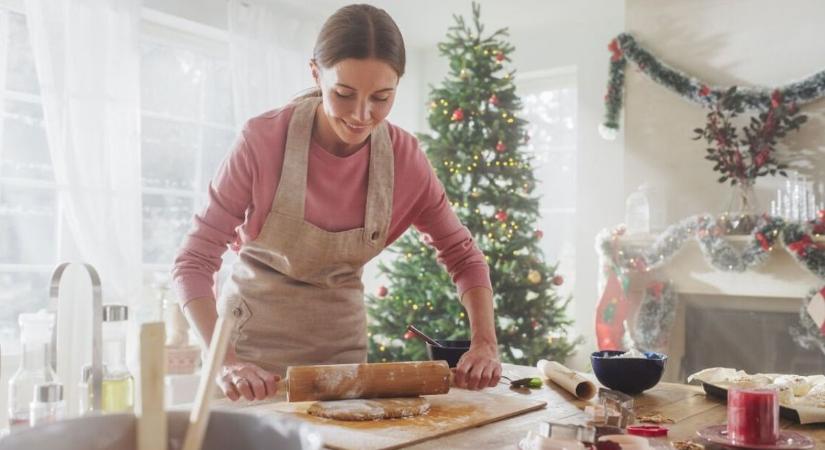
(777, 285)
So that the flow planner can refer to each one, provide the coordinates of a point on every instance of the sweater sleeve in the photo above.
(442, 229)
(216, 226)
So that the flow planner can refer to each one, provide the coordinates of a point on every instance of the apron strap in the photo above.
(290, 196)
(380, 187)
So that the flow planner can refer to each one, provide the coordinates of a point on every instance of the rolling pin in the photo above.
(378, 380)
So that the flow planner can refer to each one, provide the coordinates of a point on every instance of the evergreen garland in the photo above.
(624, 47)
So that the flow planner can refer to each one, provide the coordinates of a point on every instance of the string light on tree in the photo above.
(534, 276)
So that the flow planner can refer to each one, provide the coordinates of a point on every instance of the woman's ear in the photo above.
(316, 72)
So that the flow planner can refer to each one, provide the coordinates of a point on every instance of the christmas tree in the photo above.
(474, 149)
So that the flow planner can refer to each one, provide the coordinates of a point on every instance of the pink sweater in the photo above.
(241, 194)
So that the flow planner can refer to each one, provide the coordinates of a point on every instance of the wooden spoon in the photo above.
(423, 336)
(199, 418)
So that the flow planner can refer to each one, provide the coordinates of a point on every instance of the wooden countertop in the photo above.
(686, 405)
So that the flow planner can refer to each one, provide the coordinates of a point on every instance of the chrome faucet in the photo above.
(97, 320)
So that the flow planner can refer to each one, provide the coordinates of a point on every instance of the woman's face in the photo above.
(357, 95)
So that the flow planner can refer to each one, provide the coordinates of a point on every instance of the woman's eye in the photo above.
(343, 95)
(382, 99)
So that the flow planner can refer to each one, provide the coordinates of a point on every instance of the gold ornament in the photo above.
(534, 277)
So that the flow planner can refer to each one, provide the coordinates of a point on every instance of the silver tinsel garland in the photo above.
(708, 231)
(806, 333)
(654, 317)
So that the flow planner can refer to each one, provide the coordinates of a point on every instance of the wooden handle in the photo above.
(199, 418)
(151, 426)
(346, 381)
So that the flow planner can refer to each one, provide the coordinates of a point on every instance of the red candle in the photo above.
(753, 416)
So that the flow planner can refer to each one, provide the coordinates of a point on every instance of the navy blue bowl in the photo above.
(628, 375)
(451, 352)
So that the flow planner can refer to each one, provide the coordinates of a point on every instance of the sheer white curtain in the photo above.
(269, 54)
(87, 58)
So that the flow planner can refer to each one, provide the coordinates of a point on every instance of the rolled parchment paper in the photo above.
(572, 382)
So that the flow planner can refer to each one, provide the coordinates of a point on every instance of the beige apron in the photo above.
(296, 290)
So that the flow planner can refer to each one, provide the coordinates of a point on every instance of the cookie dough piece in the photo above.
(798, 384)
(370, 409)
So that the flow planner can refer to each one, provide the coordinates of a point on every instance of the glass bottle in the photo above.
(637, 211)
(48, 405)
(35, 365)
(118, 384)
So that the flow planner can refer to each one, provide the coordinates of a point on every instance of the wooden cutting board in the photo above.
(450, 413)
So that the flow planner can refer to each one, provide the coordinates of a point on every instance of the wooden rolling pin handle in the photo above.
(282, 386)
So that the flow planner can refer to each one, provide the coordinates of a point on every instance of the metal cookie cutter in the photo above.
(581, 433)
(614, 409)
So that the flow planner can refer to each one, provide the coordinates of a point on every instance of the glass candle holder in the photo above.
(753, 416)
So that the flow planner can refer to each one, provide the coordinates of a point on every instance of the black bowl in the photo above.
(628, 375)
(450, 352)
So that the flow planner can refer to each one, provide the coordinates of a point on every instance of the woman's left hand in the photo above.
(479, 367)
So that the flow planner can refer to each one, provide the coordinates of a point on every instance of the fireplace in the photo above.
(719, 333)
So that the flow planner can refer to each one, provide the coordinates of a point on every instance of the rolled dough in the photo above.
(370, 409)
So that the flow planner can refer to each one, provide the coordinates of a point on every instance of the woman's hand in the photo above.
(479, 367)
(242, 379)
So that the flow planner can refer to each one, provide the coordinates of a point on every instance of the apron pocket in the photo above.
(242, 314)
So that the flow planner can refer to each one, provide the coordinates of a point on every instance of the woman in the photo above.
(308, 195)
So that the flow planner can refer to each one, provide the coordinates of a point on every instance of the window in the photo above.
(549, 106)
(187, 129)
(28, 205)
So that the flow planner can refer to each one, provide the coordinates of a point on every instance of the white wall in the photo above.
(744, 42)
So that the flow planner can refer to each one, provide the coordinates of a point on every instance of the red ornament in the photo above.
(776, 99)
(499, 56)
(704, 91)
(493, 100)
(501, 216)
(763, 241)
(409, 335)
(538, 234)
(534, 323)
(615, 50)
(458, 115)
(821, 214)
(558, 280)
(501, 147)
(382, 292)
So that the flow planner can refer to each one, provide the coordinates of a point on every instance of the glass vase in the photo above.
(742, 208)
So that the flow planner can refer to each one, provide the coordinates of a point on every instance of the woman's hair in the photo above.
(359, 32)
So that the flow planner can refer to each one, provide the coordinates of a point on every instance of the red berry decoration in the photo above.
(558, 280)
(534, 323)
(493, 100)
(382, 291)
(499, 56)
(538, 234)
(501, 147)
(408, 335)
(458, 115)
(501, 216)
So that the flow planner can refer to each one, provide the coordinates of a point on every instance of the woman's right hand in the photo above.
(242, 379)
